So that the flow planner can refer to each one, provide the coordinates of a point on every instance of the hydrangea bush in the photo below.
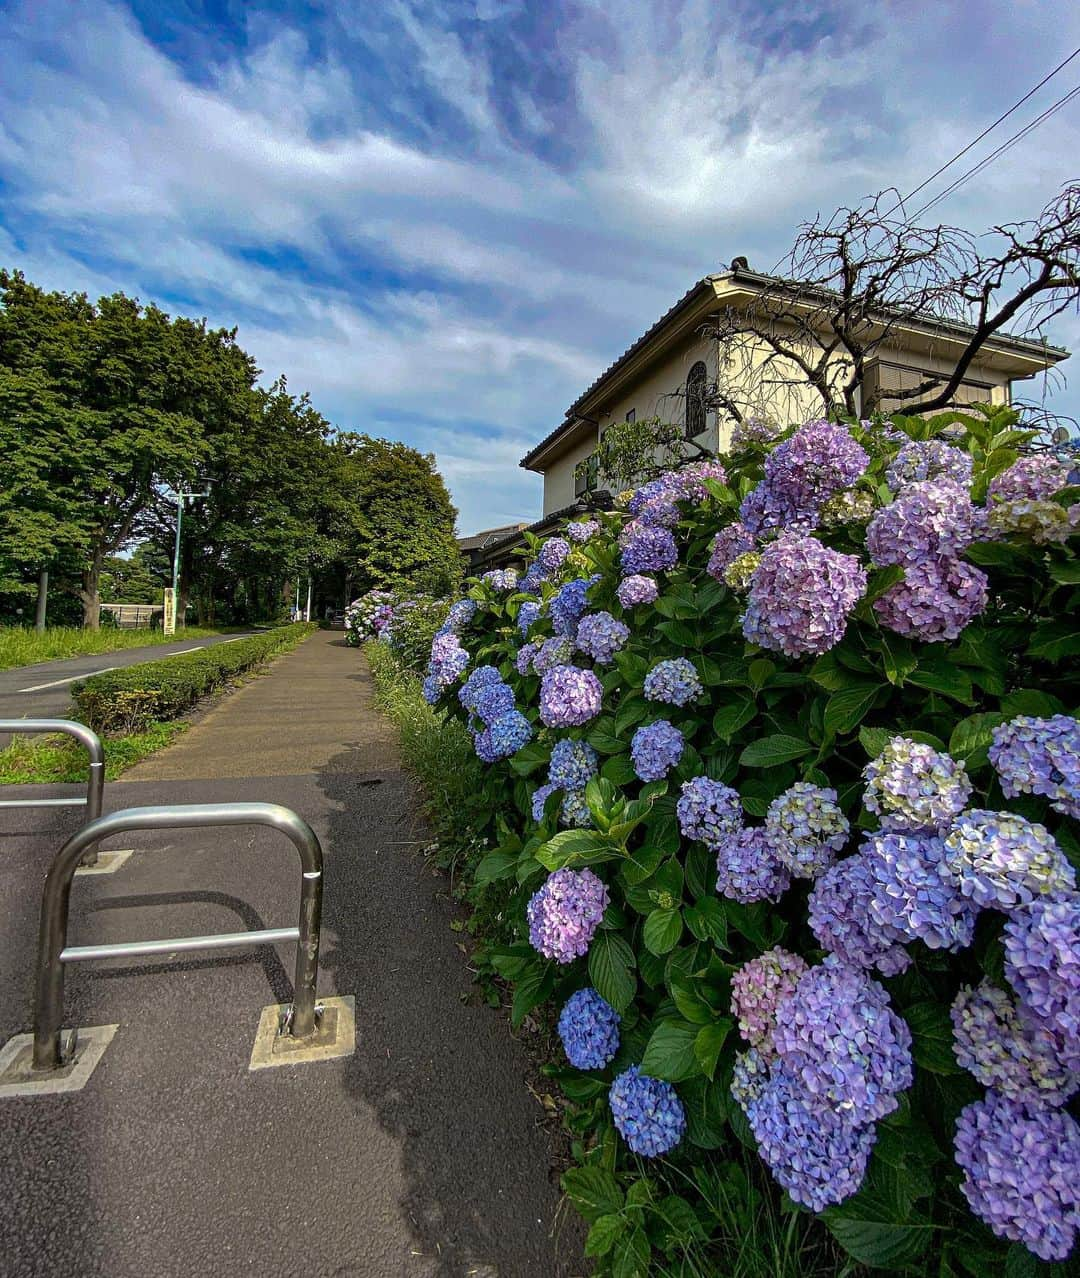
(784, 818)
(367, 617)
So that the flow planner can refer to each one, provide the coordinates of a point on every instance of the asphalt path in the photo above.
(44, 690)
(424, 1155)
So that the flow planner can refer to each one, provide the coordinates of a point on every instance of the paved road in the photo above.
(424, 1155)
(44, 690)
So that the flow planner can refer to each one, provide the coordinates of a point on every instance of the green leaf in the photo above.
(707, 920)
(662, 930)
(946, 679)
(594, 1191)
(864, 1228)
(845, 709)
(619, 769)
(1032, 702)
(576, 847)
(707, 1112)
(769, 752)
(611, 969)
(632, 1255)
(733, 716)
(680, 1222)
(972, 737)
(670, 1052)
(708, 1045)
(1066, 572)
(532, 989)
(1055, 640)
(496, 865)
(603, 1235)
(932, 1038)
(604, 739)
(528, 759)
(874, 740)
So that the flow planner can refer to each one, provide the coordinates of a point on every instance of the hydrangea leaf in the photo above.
(768, 752)
(846, 709)
(575, 848)
(670, 1054)
(632, 1255)
(611, 969)
(594, 1191)
(709, 1044)
(932, 1037)
(603, 1234)
(663, 928)
(867, 1230)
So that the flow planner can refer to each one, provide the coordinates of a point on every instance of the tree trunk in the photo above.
(89, 591)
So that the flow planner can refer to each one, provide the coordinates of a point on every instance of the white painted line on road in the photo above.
(38, 687)
(198, 648)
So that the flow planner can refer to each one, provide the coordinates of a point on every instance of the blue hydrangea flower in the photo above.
(912, 786)
(565, 913)
(552, 554)
(1042, 964)
(636, 589)
(460, 614)
(553, 652)
(655, 749)
(575, 811)
(582, 530)
(1040, 756)
(528, 614)
(806, 828)
(839, 916)
(573, 764)
(504, 737)
(535, 576)
(430, 689)
(493, 701)
(912, 894)
(482, 678)
(674, 681)
(1002, 860)
(747, 868)
(648, 1113)
(842, 1042)
(449, 660)
(821, 458)
(569, 696)
(646, 549)
(728, 544)
(600, 636)
(1017, 1058)
(709, 810)
(589, 1029)
(501, 579)
(540, 797)
(569, 604)
(1036, 477)
(1021, 1165)
(524, 659)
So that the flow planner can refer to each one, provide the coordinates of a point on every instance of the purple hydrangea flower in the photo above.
(589, 1029)
(553, 652)
(655, 749)
(523, 660)
(801, 596)
(709, 810)
(912, 895)
(757, 990)
(1033, 478)
(806, 828)
(932, 519)
(1017, 1058)
(636, 590)
(675, 682)
(728, 544)
(646, 549)
(1001, 859)
(573, 764)
(839, 1038)
(688, 482)
(460, 614)
(928, 459)
(568, 605)
(552, 554)
(648, 1113)
(820, 459)
(503, 737)
(582, 530)
(819, 1155)
(569, 696)
(1041, 522)
(482, 677)
(600, 636)
(565, 913)
(839, 916)
(528, 614)
(912, 786)
(1021, 1165)
(448, 660)
(539, 800)
(1042, 963)
(1040, 756)
(501, 578)
(747, 868)
(535, 576)
(935, 601)
(753, 430)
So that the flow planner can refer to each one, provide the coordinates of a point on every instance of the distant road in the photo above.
(44, 690)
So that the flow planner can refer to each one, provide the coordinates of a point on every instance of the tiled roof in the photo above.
(476, 540)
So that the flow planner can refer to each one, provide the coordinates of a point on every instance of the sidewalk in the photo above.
(421, 1155)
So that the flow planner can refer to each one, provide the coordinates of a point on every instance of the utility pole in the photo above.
(182, 496)
(42, 600)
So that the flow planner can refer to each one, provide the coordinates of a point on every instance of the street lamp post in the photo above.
(182, 496)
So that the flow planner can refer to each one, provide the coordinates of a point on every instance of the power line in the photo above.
(989, 129)
(1005, 146)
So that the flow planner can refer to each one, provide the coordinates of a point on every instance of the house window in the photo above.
(695, 400)
(585, 476)
(631, 416)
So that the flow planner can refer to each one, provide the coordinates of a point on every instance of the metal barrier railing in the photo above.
(95, 788)
(54, 952)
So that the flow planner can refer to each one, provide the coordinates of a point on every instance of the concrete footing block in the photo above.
(335, 1035)
(80, 1059)
(107, 863)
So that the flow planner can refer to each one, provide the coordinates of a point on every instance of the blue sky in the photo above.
(444, 217)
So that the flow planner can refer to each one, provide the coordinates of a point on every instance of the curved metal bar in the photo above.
(91, 743)
(55, 900)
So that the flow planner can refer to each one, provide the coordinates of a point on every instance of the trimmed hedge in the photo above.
(129, 700)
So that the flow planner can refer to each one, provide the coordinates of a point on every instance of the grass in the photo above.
(59, 760)
(22, 647)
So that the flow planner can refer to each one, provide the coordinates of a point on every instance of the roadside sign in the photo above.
(169, 619)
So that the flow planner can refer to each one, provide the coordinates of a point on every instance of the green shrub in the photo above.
(831, 676)
(129, 700)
